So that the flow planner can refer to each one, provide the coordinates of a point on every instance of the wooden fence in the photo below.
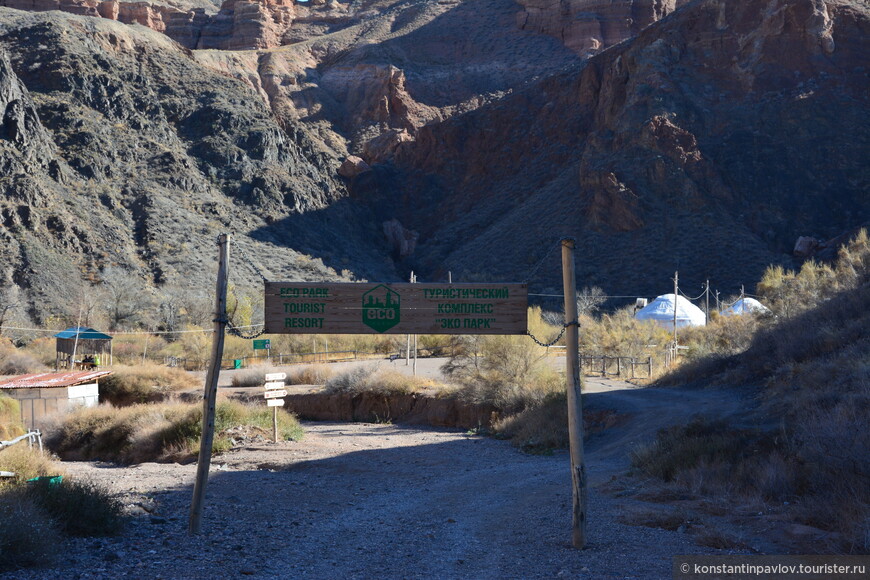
(190, 364)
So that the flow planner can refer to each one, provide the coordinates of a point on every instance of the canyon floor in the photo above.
(360, 500)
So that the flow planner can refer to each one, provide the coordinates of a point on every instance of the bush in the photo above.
(378, 381)
(80, 508)
(28, 536)
(129, 385)
(163, 432)
(19, 363)
(252, 377)
(26, 462)
(10, 418)
(309, 375)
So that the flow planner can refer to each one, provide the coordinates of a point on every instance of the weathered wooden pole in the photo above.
(575, 405)
(211, 380)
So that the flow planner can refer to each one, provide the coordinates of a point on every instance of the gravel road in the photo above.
(355, 500)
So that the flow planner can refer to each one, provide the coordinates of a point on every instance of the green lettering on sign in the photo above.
(380, 308)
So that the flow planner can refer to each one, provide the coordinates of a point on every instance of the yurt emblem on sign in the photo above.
(380, 308)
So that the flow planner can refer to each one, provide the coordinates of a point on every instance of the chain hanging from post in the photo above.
(232, 328)
(531, 275)
(555, 340)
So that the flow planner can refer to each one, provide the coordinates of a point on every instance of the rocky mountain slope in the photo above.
(706, 144)
(378, 136)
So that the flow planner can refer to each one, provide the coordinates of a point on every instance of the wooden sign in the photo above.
(275, 376)
(274, 402)
(274, 385)
(275, 394)
(348, 308)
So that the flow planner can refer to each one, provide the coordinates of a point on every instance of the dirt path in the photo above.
(356, 500)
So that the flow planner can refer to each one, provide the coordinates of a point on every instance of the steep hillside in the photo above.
(707, 144)
(122, 151)
(380, 136)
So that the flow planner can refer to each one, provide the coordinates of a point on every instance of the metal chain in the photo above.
(555, 340)
(235, 331)
(251, 263)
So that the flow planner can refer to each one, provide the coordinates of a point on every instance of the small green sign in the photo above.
(263, 344)
(380, 308)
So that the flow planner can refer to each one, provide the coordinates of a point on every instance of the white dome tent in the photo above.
(745, 305)
(661, 311)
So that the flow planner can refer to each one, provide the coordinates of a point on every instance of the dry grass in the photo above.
(16, 361)
(156, 432)
(309, 375)
(129, 385)
(28, 535)
(26, 462)
(10, 418)
(251, 377)
(383, 382)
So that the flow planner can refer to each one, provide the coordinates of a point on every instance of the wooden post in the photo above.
(275, 424)
(676, 297)
(707, 292)
(575, 404)
(211, 380)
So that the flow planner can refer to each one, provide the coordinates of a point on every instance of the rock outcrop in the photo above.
(589, 26)
(705, 144)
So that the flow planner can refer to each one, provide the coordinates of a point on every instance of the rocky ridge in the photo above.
(707, 144)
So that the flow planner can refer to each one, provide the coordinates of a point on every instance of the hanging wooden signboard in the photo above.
(368, 308)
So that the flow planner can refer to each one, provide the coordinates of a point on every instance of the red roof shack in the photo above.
(44, 394)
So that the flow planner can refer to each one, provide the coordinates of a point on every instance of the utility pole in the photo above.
(408, 344)
(707, 294)
(575, 402)
(211, 380)
(414, 281)
(676, 297)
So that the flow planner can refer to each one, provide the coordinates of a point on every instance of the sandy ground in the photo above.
(355, 500)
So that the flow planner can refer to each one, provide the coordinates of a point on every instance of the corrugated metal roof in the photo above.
(83, 332)
(42, 380)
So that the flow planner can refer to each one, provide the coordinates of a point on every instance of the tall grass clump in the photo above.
(377, 381)
(129, 385)
(10, 418)
(156, 432)
(309, 375)
(16, 361)
(26, 463)
(79, 508)
(28, 535)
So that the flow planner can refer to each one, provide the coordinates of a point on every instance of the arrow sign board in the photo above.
(275, 394)
(273, 386)
(276, 376)
(275, 402)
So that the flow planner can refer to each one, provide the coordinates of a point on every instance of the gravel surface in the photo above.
(356, 500)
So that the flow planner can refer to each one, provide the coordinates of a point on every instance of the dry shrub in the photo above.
(252, 377)
(79, 508)
(129, 385)
(43, 349)
(28, 536)
(161, 432)
(309, 375)
(26, 463)
(377, 381)
(10, 418)
(512, 374)
(538, 428)
(19, 363)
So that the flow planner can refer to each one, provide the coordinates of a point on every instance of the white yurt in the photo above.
(745, 305)
(661, 311)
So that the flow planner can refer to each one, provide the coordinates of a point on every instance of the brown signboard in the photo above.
(348, 308)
